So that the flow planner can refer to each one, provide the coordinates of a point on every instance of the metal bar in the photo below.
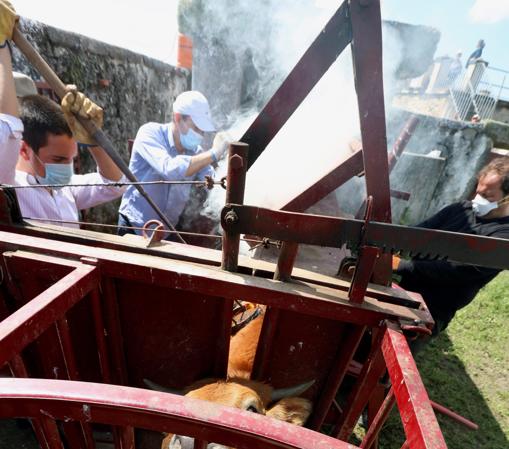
(419, 421)
(200, 444)
(50, 431)
(317, 59)
(235, 186)
(352, 166)
(453, 415)
(285, 261)
(102, 350)
(223, 341)
(151, 410)
(64, 337)
(372, 370)
(261, 363)
(123, 436)
(18, 369)
(368, 70)
(98, 134)
(362, 274)
(352, 338)
(114, 332)
(379, 420)
(26, 324)
(402, 140)
(334, 232)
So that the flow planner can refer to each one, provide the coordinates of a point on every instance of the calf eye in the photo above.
(253, 409)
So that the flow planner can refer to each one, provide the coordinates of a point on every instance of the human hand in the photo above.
(221, 142)
(75, 102)
(8, 20)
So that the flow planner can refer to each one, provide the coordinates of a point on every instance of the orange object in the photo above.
(395, 262)
(184, 51)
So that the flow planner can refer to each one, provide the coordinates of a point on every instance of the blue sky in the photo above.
(151, 30)
(461, 23)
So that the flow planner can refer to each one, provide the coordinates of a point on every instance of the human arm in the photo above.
(202, 160)
(11, 127)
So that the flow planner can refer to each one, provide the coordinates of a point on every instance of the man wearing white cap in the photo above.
(170, 152)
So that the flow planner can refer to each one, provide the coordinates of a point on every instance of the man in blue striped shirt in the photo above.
(170, 152)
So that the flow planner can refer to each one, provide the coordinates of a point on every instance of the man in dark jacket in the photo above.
(449, 286)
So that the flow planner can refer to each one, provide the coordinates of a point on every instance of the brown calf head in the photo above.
(248, 395)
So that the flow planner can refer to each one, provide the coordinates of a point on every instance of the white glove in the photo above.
(221, 142)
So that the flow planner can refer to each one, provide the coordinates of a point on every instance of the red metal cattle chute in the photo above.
(79, 306)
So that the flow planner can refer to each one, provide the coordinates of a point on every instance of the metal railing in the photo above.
(475, 93)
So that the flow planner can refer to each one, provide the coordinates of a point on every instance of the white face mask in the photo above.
(481, 206)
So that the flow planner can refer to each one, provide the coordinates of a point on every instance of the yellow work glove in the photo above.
(8, 19)
(76, 102)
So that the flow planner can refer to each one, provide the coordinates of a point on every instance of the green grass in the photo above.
(467, 370)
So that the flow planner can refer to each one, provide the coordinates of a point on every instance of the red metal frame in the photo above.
(186, 307)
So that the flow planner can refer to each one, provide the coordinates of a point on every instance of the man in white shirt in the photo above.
(40, 148)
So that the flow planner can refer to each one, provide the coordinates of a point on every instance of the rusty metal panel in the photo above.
(419, 420)
(165, 329)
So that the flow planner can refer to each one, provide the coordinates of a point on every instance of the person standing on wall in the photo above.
(171, 152)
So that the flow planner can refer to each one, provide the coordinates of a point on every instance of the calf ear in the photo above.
(292, 410)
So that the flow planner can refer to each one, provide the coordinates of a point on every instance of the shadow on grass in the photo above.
(449, 384)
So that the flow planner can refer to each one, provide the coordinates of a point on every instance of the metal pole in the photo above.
(98, 134)
(235, 185)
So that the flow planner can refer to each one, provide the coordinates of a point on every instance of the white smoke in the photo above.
(316, 138)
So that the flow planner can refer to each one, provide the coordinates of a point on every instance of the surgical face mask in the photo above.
(55, 173)
(482, 206)
(191, 140)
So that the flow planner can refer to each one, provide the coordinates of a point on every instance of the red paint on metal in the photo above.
(115, 405)
(379, 420)
(27, 323)
(368, 70)
(343, 359)
(352, 166)
(419, 421)
(372, 371)
(453, 415)
(362, 274)
(235, 186)
(286, 259)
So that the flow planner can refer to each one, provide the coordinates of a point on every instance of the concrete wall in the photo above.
(139, 89)
(438, 167)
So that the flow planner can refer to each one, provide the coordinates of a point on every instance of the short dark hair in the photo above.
(500, 165)
(41, 116)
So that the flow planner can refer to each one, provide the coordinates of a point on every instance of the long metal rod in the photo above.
(98, 134)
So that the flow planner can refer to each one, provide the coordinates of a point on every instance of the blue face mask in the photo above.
(191, 140)
(56, 174)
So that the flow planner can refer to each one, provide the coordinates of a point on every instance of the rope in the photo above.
(111, 184)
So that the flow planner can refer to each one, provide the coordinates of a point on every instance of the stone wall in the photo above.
(132, 88)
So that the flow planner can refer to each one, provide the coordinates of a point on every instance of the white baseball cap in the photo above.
(194, 104)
